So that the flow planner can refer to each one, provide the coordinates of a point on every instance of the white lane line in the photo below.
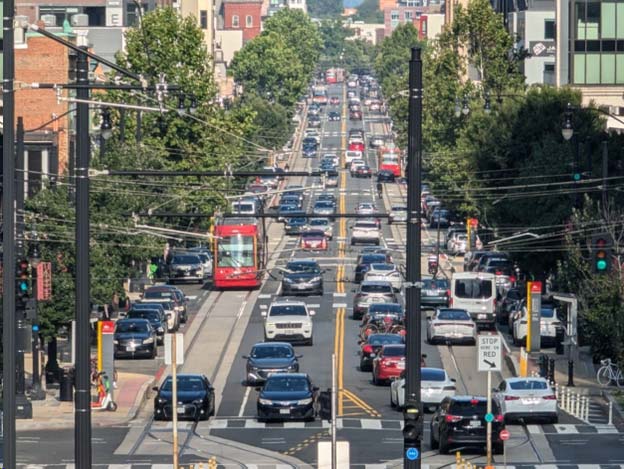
(339, 294)
(371, 424)
(264, 296)
(251, 423)
(241, 411)
(218, 424)
(264, 306)
(294, 424)
(339, 305)
(534, 429)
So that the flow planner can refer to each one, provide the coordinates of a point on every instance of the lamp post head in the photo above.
(106, 127)
(567, 130)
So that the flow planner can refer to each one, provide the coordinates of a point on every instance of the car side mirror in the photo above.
(263, 314)
(245, 357)
(299, 356)
(155, 388)
(258, 388)
(312, 313)
(453, 380)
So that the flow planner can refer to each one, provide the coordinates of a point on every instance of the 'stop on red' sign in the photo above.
(536, 287)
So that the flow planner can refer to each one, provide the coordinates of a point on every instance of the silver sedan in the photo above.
(435, 386)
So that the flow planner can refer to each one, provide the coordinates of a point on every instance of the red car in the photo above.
(363, 172)
(389, 364)
(335, 100)
(355, 115)
(356, 146)
(314, 240)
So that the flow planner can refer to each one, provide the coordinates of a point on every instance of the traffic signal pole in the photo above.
(413, 415)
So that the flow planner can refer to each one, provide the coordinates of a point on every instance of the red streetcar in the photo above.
(239, 253)
(389, 160)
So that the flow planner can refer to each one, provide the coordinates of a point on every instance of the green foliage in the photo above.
(269, 67)
(358, 56)
(334, 36)
(297, 31)
(369, 12)
(271, 126)
(324, 8)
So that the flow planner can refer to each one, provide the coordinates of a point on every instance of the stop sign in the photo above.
(504, 435)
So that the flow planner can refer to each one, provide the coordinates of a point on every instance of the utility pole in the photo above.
(412, 414)
(8, 233)
(82, 429)
(605, 173)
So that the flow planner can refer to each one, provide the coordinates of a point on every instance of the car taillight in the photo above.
(367, 349)
(499, 418)
(511, 398)
(512, 279)
(448, 293)
(550, 397)
(452, 418)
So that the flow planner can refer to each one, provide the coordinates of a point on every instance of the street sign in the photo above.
(179, 349)
(534, 313)
(44, 281)
(489, 417)
(489, 352)
(504, 435)
(412, 454)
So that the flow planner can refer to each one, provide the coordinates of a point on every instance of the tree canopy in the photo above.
(324, 8)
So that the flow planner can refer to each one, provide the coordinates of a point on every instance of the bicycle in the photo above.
(609, 372)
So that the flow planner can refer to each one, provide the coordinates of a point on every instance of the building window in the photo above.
(394, 15)
(407, 15)
(249, 21)
(549, 30)
(549, 73)
(203, 19)
(235, 21)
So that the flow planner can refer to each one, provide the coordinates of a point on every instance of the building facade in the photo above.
(417, 15)
(204, 13)
(590, 52)
(244, 15)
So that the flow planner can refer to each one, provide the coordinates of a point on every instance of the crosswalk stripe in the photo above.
(250, 423)
(534, 429)
(566, 429)
(294, 424)
(120, 466)
(370, 424)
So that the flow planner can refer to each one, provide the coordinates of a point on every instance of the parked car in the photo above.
(267, 359)
(388, 364)
(435, 386)
(527, 398)
(372, 346)
(451, 325)
(372, 292)
(155, 318)
(460, 422)
(195, 396)
(302, 276)
(435, 292)
(289, 321)
(287, 396)
(134, 337)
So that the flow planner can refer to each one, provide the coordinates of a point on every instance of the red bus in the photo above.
(239, 253)
(390, 160)
(319, 95)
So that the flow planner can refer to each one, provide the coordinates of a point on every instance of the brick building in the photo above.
(245, 15)
(39, 59)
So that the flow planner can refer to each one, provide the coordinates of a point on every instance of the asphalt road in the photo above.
(230, 323)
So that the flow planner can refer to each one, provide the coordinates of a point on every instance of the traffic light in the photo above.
(413, 425)
(325, 405)
(22, 278)
(601, 253)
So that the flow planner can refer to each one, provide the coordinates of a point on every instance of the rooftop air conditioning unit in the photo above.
(79, 19)
(49, 20)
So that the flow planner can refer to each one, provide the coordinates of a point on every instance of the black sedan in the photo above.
(302, 276)
(134, 338)
(287, 396)
(156, 319)
(372, 346)
(266, 359)
(333, 116)
(195, 398)
(295, 225)
(385, 175)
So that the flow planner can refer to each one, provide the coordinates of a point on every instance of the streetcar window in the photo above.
(235, 251)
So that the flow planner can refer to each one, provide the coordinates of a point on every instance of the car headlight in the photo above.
(270, 325)
(115, 342)
(161, 400)
(265, 401)
(160, 329)
(316, 279)
(288, 280)
(292, 367)
(304, 401)
(149, 340)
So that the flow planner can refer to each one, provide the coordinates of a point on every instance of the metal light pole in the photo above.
(20, 314)
(36, 393)
(82, 429)
(413, 417)
(8, 233)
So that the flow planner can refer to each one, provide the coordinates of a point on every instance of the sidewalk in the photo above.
(53, 414)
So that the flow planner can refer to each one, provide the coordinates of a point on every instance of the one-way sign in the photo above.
(489, 352)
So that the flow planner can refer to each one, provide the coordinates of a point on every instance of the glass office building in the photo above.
(597, 42)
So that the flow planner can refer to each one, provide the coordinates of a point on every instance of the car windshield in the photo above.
(131, 326)
(185, 260)
(303, 267)
(376, 288)
(430, 374)
(243, 208)
(286, 383)
(471, 407)
(185, 384)
(394, 351)
(319, 222)
(296, 221)
(157, 294)
(527, 385)
(547, 312)
(431, 284)
(399, 209)
(154, 304)
(288, 310)
(272, 351)
(473, 288)
(454, 315)
(373, 258)
(384, 267)
(323, 204)
(385, 339)
(151, 314)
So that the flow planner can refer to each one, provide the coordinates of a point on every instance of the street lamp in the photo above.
(36, 393)
(567, 130)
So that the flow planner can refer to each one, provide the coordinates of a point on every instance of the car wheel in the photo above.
(443, 445)
(498, 449)
(154, 352)
(554, 419)
(432, 441)
(363, 366)
(310, 341)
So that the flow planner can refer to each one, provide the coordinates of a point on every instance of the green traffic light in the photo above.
(577, 176)
(23, 286)
(601, 265)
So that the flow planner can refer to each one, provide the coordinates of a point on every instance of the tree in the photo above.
(271, 126)
(268, 66)
(296, 30)
(369, 12)
(358, 56)
(324, 8)
(334, 35)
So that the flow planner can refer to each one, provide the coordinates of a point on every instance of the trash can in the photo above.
(559, 348)
(66, 387)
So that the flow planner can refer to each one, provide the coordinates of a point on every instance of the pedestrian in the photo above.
(151, 271)
(286, 167)
(379, 189)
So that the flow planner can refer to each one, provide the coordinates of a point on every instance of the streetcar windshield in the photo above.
(235, 251)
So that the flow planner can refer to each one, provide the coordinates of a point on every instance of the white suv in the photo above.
(288, 321)
(365, 231)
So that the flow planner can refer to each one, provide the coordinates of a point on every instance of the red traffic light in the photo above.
(601, 243)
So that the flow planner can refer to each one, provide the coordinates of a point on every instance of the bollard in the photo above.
(457, 459)
(610, 422)
(587, 408)
(555, 386)
(575, 405)
(563, 397)
(551, 370)
(582, 407)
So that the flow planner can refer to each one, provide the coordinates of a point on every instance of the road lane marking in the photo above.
(341, 294)
(252, 423)
(370, 424)
(264, 296)
(294, 424)
(361, 404)
(241, 411)
(569, 429)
